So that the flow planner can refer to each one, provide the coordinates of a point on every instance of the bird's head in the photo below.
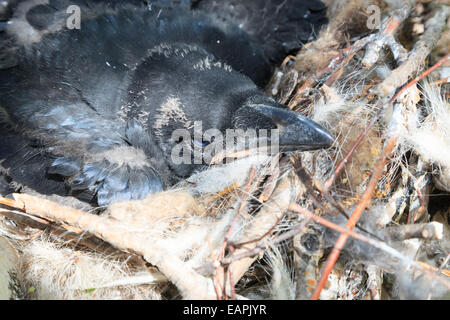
(192, 138)
(203, 111)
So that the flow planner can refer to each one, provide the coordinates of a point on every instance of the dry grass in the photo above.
(216, 226)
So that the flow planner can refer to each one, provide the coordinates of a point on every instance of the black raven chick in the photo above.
(90, 110)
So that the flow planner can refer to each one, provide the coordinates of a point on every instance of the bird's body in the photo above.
(91, 111)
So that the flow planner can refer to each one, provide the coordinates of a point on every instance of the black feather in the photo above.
(90, 112)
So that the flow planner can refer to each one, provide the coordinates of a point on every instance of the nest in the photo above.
(366, 219)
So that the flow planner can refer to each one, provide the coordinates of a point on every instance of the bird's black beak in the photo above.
(295, 132)
(290, 132)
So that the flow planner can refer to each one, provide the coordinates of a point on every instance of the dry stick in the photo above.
(347, 157)
(375, 243)
(271, 182)
(444, 263)
(385, 37)
(153, 277)
(243, 204)
(266, 218)
(241, 244)
(338, 62)
(389, 146)
(42, 224)
(10, 203)
(400, 76)
(225, 244)
(337, 207)
(441, 81)
(434, 27)
(231, 279)
(332, 258)
(350, 153)
(190, 283)
(438, 270)
(262, 246)
(21, 217)
(217, 288)
(311, 184)
(432, 230)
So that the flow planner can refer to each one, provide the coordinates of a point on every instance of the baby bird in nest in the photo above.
(91, 92)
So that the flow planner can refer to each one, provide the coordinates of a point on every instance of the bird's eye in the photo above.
(200, 143)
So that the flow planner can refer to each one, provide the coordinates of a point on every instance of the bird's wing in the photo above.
(280, 26)
(55, 139)
(62, 94)
(24, 163)
(141, 28)
(60, 118)
(276, 27)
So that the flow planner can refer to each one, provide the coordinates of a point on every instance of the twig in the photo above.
(332, 71)
(286, 190)
(230, 277)
(241, 244)
(444, 263)
(190, 284)
(242, 206)
(22, 217)
(300, 227)
(385, 37)
(389, 146)
(271, 182)
(439, 270)
(67, 232)
(262, 246)
(335, 65)
(311, 184)
(434, 27)
(375, 243)
(332, 258)
(153, 277)
(420, 77)
(219, 268)
(350, 153)
(441, 81)
(352, 150)
(10, 203)
(433, 230)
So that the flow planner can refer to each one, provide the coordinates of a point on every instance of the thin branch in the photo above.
(300, 227)
(362, 205)
(432, 230)
(332, 72)
(375, 243)
(434, 28)
(385, 37)
(219, 268)
(190, 284)
(352, 150)
(266, 218)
